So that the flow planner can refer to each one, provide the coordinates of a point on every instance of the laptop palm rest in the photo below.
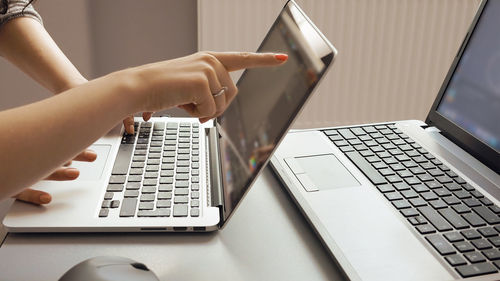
(321, 172)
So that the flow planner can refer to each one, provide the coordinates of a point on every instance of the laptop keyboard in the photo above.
(460, 223)
(156, 172)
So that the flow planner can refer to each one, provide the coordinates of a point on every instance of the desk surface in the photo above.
(267, 239)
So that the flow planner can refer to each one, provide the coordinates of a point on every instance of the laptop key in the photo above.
(487, 214)
(131, 193)
(165, 187)
(181, 184)
(476, 269)
(461, 208)
(181, 200)
(114, 187)
(122, 160)
(134, 178)
(150, 182)
(195, 212)
(146, 205)
(487, 231)
(474, 257)
(146, 213)
(425, 229)
(133, 185)
(181, 191)
(470, 234)
(492, 254)
(463, 246)
(108, 195)
(148, 189)
(195, 203)
(454, 236)
(486, 201)
(128, 207)
(162, 212)
(481, 244)
(455, 219)
(385, 188)
(495, 240)
(163, 204)
(117, 179)
(103, 212)
(164, 195)
(472, 202)
(180, 210)
(401, 204)
(115, 203)
(417, 202)
(147, 198)
(455, 260)
(440, 244)
(409, 212)
(474, 219)
(434, 218)
(366, 168)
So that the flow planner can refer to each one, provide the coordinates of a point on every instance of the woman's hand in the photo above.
(61, 174)
(191, 82)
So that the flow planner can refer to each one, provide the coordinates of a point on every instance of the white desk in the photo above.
(267, 239)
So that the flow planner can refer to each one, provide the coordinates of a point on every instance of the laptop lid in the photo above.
(467, 108)
(268, 101)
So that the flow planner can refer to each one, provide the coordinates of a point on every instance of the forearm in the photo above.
(38, 138)
(26, 44)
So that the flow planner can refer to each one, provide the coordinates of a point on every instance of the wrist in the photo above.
(69, 84)
(128, 88)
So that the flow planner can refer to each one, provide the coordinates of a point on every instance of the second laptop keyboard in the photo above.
(156, 172)
(460, 223)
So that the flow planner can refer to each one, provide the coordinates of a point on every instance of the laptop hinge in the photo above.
(215, 172)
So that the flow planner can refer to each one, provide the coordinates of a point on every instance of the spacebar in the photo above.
(128, 207)
(366, 167)
(122, 160)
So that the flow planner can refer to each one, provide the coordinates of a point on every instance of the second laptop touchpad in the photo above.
(326, 171)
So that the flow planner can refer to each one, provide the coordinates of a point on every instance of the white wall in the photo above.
(393, 54)
(103, 36)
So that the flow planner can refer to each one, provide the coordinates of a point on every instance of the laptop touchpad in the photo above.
(326, 172)
(93, 170)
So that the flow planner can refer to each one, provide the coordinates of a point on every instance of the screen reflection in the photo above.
(268, 101)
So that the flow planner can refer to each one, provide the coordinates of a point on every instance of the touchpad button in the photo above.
(326, 171)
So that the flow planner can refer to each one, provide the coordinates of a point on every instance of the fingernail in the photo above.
(281, 57)
(71, 172)
(131, 129)
(45, 198)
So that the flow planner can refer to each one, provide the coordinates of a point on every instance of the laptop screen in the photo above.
(472, 99)
(268, 100)
(467, 109)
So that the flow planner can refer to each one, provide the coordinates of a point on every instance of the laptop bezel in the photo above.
(327, 60)
(477, 148)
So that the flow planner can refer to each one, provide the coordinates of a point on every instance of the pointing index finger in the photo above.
(233, 61)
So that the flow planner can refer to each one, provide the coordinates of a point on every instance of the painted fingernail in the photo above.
(45, 198)
(71, 172)
(281, 57)
(130, 129)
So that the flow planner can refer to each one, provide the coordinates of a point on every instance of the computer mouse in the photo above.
(107, 268)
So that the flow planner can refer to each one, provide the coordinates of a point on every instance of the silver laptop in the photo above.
(176, 174)
(411, 200)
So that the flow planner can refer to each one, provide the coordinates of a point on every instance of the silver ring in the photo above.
(220, 92)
